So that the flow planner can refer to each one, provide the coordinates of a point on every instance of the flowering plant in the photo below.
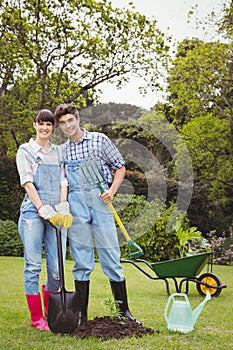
(222, 246)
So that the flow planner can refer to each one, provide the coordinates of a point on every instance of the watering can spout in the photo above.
(199, 308)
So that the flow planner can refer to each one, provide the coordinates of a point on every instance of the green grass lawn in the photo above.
(147, 299)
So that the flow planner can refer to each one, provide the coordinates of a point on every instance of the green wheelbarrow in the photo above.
(187, 270)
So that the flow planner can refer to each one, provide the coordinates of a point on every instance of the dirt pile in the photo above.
(111, 327)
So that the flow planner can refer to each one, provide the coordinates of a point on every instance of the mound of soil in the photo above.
(111, 327)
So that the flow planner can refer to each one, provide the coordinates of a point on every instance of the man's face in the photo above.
(69, 125)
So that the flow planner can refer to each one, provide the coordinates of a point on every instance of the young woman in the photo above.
(44, 206)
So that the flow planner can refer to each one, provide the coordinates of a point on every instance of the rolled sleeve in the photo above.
(113, 157)
(24, 166)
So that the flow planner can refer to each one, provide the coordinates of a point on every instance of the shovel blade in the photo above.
(63, 312)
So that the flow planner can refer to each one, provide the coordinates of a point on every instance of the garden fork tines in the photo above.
(92, 174)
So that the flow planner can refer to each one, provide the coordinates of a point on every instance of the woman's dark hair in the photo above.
(45, 115)
(66, 108)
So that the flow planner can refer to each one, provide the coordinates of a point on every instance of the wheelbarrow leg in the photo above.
(167, 285)
(186, 287)
(176, 284)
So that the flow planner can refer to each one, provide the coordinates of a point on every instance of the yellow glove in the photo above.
(63, 208)
(48, 213)
(57, 220)
(67, 220)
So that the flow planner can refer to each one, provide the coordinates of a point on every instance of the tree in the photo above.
(208, 140)
(62, 50)
(200, 104)
(199, 81)
(109, 113)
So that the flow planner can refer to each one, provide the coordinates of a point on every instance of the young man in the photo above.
(92, 219)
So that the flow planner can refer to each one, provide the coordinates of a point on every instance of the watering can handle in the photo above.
(170, 299)
(166, 308)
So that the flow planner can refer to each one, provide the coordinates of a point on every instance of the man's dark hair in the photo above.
(66, 108)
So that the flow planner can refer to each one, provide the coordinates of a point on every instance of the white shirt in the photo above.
(27, 166)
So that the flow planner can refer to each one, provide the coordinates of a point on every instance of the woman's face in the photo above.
(43, 129)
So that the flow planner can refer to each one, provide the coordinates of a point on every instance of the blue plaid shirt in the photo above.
(99, 146)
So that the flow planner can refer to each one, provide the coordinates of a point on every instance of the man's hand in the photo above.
(107, 196)
(63, 208)
(48, 213)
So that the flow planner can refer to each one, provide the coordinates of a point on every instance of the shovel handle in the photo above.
(60, 258)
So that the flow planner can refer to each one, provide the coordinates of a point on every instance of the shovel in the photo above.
(93, 176)
(63, 306)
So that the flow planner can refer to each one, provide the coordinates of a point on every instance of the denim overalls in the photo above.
(35, 231)
(93, 224)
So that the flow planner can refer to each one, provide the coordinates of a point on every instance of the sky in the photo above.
(172, 16)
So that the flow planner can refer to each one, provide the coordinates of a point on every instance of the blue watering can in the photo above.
(178, 313)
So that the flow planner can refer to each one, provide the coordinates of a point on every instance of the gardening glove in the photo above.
(48, 213)
(63, 208)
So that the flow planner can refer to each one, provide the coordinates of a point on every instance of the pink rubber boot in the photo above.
(45, 297)
(34, 305)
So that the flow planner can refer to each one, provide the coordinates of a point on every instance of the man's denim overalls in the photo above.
(93, 224)
(35, 231)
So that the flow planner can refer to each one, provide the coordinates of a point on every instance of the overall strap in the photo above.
(60, 155)
(36, 159)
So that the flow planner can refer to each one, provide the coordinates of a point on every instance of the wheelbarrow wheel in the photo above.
(212, 280)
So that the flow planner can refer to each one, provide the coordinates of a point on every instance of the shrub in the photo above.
(154, 231)
(161, 242)
(11, 193)
(11, 244)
